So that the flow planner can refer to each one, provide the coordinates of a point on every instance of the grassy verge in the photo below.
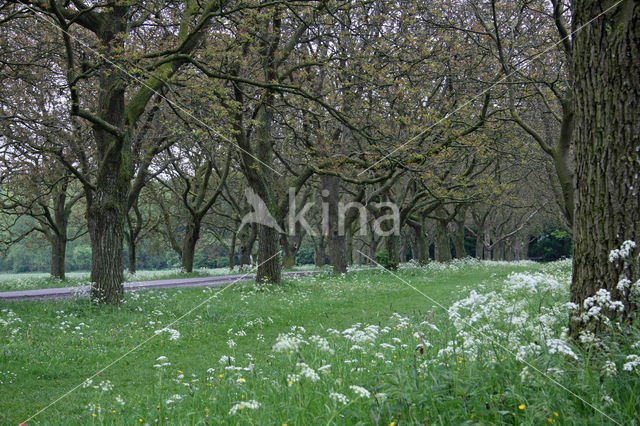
(38, 280)
(361, 348)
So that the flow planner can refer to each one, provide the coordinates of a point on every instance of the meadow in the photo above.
(468, 342)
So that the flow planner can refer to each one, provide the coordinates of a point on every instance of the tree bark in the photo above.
(336, 242)
(320, 254)
(458, 240)
(106, 209)
(269, 269)
(191, 237)
(232, 251)
(247, 242)
(131, 256)
(443, 247)
(288, 252)
(419, 246)
(58, 252)
(606, 66)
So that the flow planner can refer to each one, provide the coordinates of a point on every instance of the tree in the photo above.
(606, 66)
(120, 103)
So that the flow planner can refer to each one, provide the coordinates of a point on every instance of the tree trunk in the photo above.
(606, 66)
(105, 221)
(191, 237)
(269, 269)
(246, 248)
(419, 246)
(402, 250)
(131, 257)
(349, 244)
(336, 242)
(58, 252)
(288, 252)
(232, 251)
(319, 251)
(59, 235)
(443, 247)
(486, 244)
(458, 241)
(107, 202)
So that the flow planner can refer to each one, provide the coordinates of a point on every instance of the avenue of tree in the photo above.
(487, 123)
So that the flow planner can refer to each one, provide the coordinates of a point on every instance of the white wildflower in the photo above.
(360, 391)
(252, 405)
(609, 369)
(559, 346)
(226, 359)
(322, 344)
(338, 397)
(308, 372)
(288, 343)
(632, 362)
(173, 334)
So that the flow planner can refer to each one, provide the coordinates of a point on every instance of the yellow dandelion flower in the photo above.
(522, 406)
(555, 413)
(94, 415)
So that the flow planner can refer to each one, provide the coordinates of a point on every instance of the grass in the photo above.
(363, 348)
(39, 280)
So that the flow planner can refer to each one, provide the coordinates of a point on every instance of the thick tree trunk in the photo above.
(269, 269)
(443, 247)
(458, 241)
(419, 246)
(319, 252)
(106, 225)
(191, 237)
(107, 202)
(58, 252)
(336, 242)
(392, 247)
(606, 66)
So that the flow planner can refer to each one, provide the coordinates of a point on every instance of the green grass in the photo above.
(56, 345)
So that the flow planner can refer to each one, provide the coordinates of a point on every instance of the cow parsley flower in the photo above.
(251, 405)
(559, 346)
(173, 334)
(609, 369)
(360, 391)
(338, 397)
(288, 343)
(632, 362)
(308, 372)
